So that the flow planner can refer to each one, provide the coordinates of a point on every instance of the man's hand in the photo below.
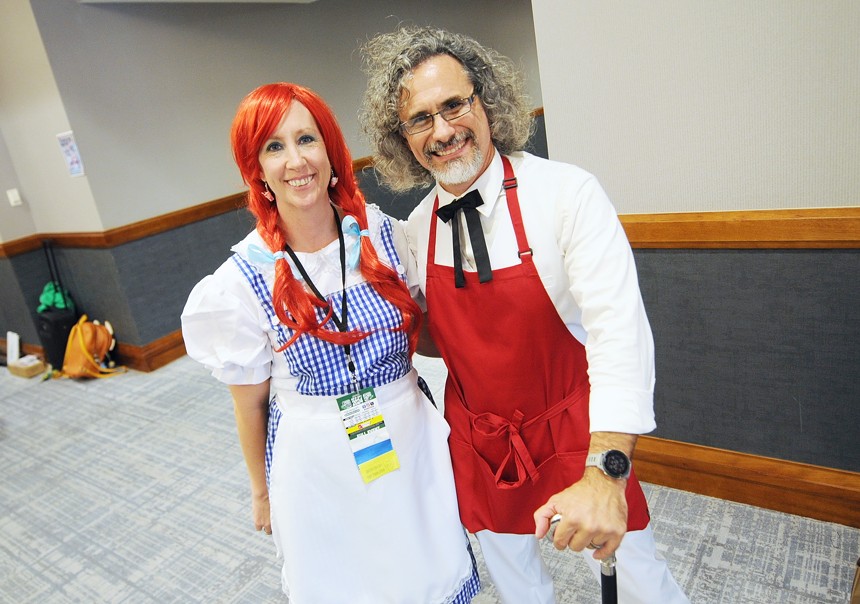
(593, 513)
(594, 510)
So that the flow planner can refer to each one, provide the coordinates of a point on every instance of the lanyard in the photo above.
(340, 322)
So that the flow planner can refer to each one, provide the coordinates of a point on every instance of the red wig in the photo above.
(258, 115)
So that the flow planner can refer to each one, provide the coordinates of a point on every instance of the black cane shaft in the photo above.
(608, 581)
(608, 589)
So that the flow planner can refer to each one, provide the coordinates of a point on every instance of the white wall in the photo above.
(696, 105)
(31, 115)
(150, 90)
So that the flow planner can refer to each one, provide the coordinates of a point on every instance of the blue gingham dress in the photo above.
(397, 539)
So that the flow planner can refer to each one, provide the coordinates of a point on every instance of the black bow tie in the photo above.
(467, 204)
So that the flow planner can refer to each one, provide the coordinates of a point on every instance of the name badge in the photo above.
(368, 436)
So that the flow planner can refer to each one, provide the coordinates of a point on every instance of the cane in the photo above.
(608, 580)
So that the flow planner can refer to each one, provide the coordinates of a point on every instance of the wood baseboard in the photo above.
(775, 484)
(153, 355)
(130, 232)
(140, 358)
(25, 349)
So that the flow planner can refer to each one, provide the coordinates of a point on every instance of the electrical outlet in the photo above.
(14, 197)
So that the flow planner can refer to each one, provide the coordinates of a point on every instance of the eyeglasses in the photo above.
(453, 109)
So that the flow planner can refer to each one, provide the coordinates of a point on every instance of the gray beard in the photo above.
(460, 170)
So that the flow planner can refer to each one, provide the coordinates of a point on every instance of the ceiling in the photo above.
(195, 1)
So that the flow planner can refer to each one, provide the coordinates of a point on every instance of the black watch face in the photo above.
(616, 463)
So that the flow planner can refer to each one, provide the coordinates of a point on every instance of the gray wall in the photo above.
(18, 298)
(757, 350)
(140, 287)
(150, 89)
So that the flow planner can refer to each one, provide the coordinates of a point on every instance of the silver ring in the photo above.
(592, 546)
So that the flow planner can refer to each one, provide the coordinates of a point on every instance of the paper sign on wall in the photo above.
(71, 153)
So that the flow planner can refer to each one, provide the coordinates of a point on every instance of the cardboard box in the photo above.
(27, 366)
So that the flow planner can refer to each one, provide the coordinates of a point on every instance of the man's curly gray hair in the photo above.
(390, 58)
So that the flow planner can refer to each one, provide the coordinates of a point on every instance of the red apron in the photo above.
(517, 390)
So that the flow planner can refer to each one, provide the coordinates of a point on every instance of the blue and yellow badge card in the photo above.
(368, 436)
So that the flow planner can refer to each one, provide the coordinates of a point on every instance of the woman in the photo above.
(312, 327)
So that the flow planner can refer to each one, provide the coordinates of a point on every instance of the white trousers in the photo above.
(521, 577)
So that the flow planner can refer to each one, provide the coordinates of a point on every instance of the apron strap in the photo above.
(510, 185)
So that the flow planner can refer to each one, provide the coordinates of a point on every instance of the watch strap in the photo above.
(594, 460)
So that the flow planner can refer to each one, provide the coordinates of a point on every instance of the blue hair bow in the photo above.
(353, 249)
(258, 255)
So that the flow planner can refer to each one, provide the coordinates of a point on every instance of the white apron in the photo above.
(396, 540)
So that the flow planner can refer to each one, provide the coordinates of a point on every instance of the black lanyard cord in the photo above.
(342, 321)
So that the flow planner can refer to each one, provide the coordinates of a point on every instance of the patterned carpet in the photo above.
(133, 489)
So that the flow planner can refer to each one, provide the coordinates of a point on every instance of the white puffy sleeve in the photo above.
(225, 329)
(407, 259)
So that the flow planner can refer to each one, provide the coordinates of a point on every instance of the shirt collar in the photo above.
(488, 184)
(266, 267)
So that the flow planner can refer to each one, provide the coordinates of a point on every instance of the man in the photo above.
(533, 302)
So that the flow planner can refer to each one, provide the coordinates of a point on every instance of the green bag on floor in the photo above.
(54, 296)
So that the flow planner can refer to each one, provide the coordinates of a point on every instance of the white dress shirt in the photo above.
(586, 265)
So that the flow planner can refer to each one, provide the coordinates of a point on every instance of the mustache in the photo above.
(458, 138)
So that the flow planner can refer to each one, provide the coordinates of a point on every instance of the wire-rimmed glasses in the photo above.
(453, 109)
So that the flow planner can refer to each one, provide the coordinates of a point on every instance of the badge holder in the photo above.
(368, 437)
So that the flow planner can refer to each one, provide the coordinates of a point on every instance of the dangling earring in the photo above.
(333, 181)
(267, 193)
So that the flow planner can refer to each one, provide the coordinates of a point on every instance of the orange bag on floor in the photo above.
(89, 344)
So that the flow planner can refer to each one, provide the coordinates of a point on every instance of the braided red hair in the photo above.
(257, 117)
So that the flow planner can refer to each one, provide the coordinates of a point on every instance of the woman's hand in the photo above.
(260, 512)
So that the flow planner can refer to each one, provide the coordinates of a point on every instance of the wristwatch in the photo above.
(613, 462)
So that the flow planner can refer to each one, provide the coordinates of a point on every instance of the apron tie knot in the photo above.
(492, 425)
